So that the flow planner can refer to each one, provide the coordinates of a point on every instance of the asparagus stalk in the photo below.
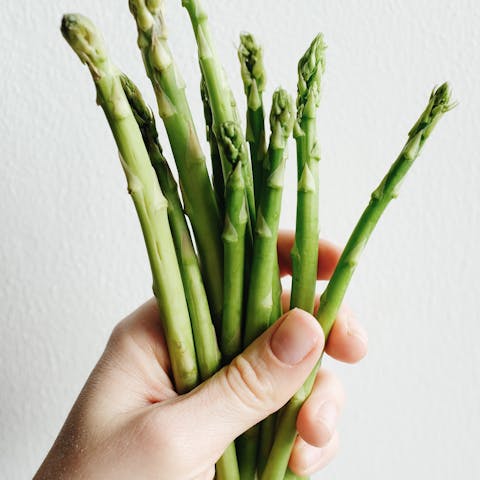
(208, 353)
(236, 217)
(331, 299)
(254, 78)
(260, 299)
(220, 94)
(305, 249)
(149, 202)
(260, 302)
(198, 195)
(217, 172)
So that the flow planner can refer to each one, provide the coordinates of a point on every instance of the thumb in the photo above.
(256, 383)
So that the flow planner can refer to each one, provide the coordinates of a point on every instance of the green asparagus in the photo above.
(331, 299)
(208, 353)
(199, 198)
(254, 79)
(217, 172)
(220, 94)
(259, 304)
(305, 249)
(149, 202)
(234, 255)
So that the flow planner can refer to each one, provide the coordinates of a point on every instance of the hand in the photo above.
(128, 422)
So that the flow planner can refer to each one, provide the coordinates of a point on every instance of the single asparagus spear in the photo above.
(149, 202)
(198, 195)
(253, 76)
(259, 304)
(236, 217)
(220, 94)
(305, 249)
(254, 79)
(217, 172)
(332, 297)
(260, 299)
(208, 353)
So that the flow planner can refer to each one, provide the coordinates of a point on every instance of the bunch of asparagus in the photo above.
(221, 289)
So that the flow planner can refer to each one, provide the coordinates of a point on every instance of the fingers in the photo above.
(257, 382)
(307, 459)
(348, 340)
(317, 419)
(328, 255)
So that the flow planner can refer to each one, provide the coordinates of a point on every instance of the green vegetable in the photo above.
(259, 306)
(331, 299)
(221, 98)
(198, 195)
(236, 217)
(254, 79)
(217, 172)
(208, 353)
(149, 202)
(305, 249)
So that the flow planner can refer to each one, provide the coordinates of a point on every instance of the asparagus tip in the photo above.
(250, 55)
(85, 39)
(231, 141)
(310, 69)
(439, 103)
(281, 117)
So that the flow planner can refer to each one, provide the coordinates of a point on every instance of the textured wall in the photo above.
(72, 261)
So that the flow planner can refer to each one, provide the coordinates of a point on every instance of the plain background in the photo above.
(72, 261)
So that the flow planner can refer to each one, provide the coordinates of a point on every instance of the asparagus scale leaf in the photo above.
(331, 299)
(143, 187)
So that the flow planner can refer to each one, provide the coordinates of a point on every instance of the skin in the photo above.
(128, 422)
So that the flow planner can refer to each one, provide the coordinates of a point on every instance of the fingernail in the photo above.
(295, 338)
(356, 330)
(327, 415)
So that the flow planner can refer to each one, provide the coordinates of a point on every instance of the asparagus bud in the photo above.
(310, 69)
(149, 202)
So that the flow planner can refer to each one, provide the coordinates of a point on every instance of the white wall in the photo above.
(72, 262)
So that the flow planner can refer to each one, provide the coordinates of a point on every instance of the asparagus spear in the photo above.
(330, 301)
(305, 249)
(234, 255)
(217, 172)
(149, 202)
(259, 304)
(254, 79)
(260, 299)
(220, 94)
(208, 353)
(198, 195)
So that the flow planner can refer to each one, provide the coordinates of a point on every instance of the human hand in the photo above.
(128, 422)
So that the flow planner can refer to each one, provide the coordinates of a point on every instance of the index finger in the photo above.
(328, 255)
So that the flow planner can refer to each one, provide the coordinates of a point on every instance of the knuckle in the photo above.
(250, 383)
